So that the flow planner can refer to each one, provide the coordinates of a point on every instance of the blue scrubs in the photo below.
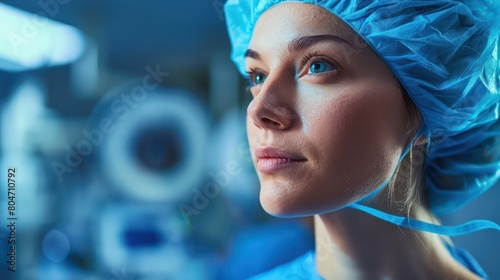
(304, 267)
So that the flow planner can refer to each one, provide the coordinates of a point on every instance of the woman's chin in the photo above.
(277, 205)
(292, 204)
(286, 207)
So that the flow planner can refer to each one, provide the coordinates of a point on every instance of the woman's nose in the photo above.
(272, 107)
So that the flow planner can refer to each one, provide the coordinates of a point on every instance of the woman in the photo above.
(388, 107)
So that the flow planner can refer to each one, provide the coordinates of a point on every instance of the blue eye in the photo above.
(255, 78)
(319, 67)
(259, 78)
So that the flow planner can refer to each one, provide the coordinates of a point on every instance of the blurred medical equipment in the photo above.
(149, 242)
(150, 155)
(22, 116)
(30, 41)
(150, 143)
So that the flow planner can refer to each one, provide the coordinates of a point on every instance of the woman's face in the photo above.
(328, 122)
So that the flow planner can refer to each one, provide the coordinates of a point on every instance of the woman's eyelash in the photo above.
(251, 76)
(251, 73)
(317, 57)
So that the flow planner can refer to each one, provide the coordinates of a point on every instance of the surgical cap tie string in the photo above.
(463, 229)
(466, 228)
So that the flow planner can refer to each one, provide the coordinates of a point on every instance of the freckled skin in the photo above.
(350, 125)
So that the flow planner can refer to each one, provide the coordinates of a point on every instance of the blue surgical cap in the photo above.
(445, 54)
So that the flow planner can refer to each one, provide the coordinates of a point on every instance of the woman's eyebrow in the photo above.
(304, 42)
(253, 54)
(307, 41)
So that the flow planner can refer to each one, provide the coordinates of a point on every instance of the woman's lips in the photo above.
(272, 159)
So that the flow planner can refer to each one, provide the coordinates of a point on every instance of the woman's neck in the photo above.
(354, 245)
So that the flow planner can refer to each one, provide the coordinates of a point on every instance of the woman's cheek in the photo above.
(353, 152)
